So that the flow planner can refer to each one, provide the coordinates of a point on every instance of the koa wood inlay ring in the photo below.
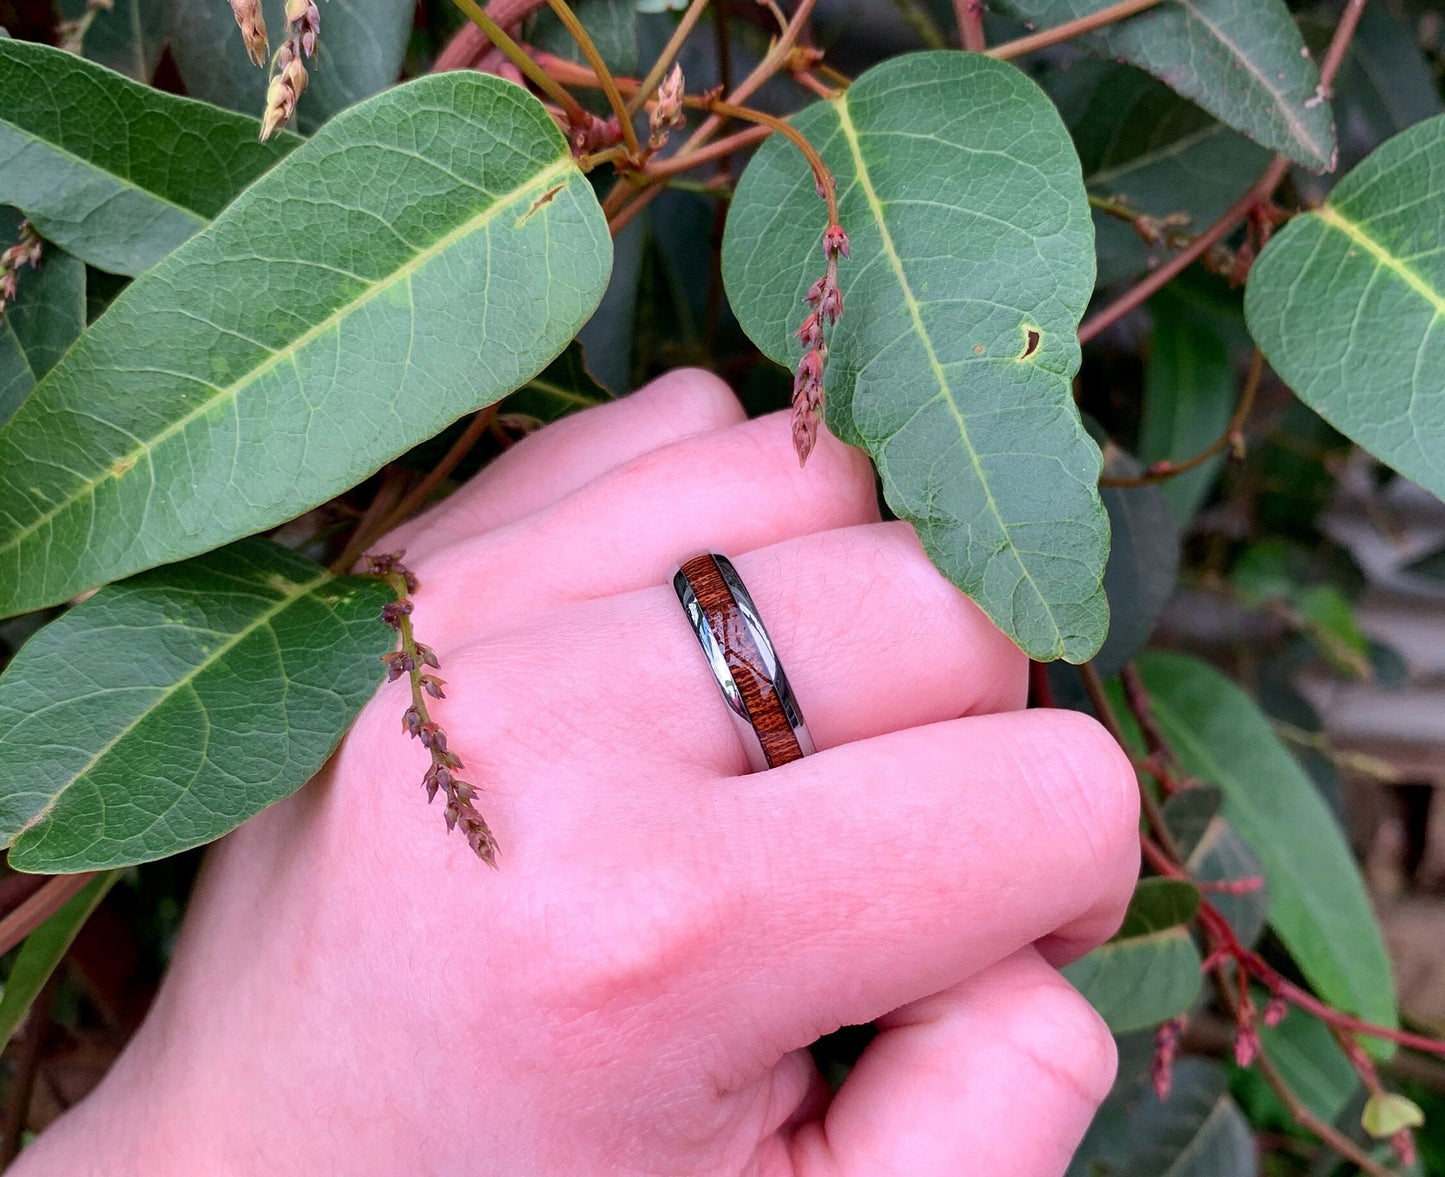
(743, 661)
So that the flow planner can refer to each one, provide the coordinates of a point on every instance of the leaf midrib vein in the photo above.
(1336, 220)
(205, 405)
(865, 182)
(186, 680)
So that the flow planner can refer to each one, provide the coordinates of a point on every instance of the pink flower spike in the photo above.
(835, 242)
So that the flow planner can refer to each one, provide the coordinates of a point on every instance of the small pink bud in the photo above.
(1274, 1010)
(835, 242)
(1246, 1045)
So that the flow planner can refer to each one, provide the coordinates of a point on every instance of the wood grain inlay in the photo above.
(745, 661)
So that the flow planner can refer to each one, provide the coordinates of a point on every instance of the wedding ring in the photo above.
(743, 661)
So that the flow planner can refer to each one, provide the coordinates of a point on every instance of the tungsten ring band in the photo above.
(743, 661)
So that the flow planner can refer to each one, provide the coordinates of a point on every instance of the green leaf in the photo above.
(1188, 400)
(971, 264)
(1317, 901)
(1245, 63)
(1150, 971)
(359, 53)
(46, 316)
(1197, 1132)
(43, 951)
(1387, 1113)
(1143, 561)
(127, 37)
(167, 709)
(612, 25)
(1347, 303)
(1143, 145)
(1311, 1062)
(112, 171)
(426, 253)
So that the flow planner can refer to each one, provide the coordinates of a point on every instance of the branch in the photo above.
(969, 14)
(666, 58)
(599, 67)
(1231, 439)
(1068, 30)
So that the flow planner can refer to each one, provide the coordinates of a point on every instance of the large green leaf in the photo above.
(46, 316)
(1197, 1132)
(114, 172)
(127, 37)
(1143, 145)
(1244, 62)
(1317, 901)
(422, 256)
(43, 951)
(1188, 400)
(167, 709)
(359, 53)
(1348, 303)
(1150, 971)
(972, 261)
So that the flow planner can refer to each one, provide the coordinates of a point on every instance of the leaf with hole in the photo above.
(167, 709)
(112, 171)
(43, 951)
(423, 255)
(1348, 304)
(359, 53)
(1197, 1132)
(45, 318)
(1245, 63)
(1317, 901)
(972, 261)
(1150, 971)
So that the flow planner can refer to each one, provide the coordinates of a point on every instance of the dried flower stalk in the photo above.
(288, 83)
(25, 252)
(411, 660)
(252, 23)
(70, 34)
(826, 299)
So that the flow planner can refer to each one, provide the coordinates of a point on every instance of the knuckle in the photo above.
(698, 396)
(1077, 1050)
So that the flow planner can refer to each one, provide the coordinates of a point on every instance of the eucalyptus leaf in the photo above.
(1157, 153)
(1150, 971)
(167, 709)
(128, 36)
(112, 171)
(1317, 901)
(425, 254)
(971, 264)
(1245, 63)
(1347, 302)
(1197, 1132)
(43, 951)
(359, 53)
(1188, 400)
(46, 316)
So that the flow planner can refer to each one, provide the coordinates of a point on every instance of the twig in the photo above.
(593, 55)
(27, 1066)
(416, 497)
(1231, 439)
(665, 59)
(39, 907)
(969, 14)
(367, 532)
(821, 175)
(523, 61)
(1070, 29)
(720, 149)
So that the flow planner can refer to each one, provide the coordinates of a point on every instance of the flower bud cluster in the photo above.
(303, 26)
(416, 721)
(826, 300)
(25, 252)
(252, 23)
(666, 113)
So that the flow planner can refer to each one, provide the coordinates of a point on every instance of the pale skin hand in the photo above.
(634, 991)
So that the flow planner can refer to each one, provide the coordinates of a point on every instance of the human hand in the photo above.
(634, 990)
